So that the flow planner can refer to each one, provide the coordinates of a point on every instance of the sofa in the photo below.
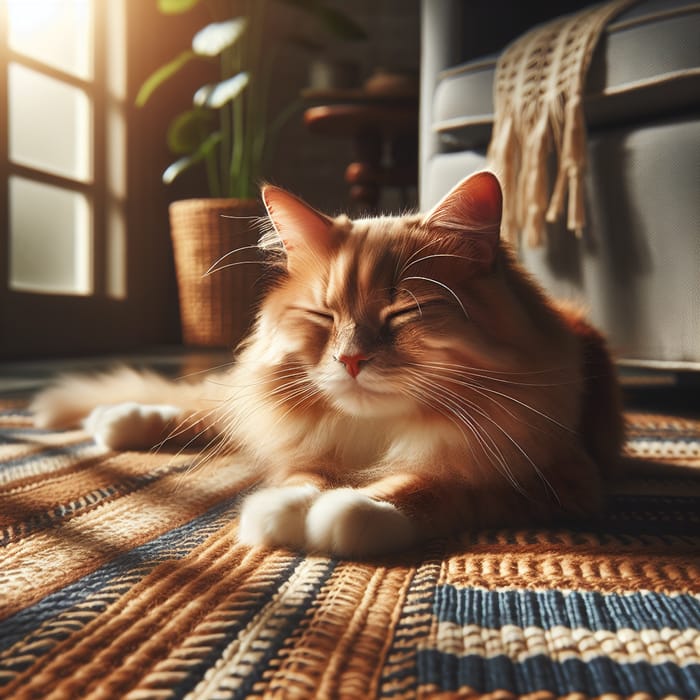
(637, 265)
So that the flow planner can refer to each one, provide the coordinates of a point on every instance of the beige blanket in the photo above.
(538, 96)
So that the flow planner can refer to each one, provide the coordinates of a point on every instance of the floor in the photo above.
(19, 379)
(643, 390)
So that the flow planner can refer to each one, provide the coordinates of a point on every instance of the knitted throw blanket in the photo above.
(538, 93)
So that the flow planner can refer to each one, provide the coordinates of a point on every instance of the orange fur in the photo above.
(472, 400)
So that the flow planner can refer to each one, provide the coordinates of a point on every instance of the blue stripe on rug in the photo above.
(61, 512)
(124, 571)
(47, 453)
(449, 673)
(252, 674)
(575, 609)
(23, 431)
(15, 412)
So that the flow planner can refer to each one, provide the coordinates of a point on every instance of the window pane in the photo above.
(55, 32)
(50, 239)
(116, 48)
(116, 253)
(60, 144)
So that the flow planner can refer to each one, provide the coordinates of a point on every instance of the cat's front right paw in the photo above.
(130, 426)
(275, 517)
(347, 523)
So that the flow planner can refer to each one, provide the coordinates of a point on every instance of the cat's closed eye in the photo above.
(398, 317)
(321, 316)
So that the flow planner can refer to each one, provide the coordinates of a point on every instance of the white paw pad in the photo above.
(275, 517)
(345, 522)
(130, 426)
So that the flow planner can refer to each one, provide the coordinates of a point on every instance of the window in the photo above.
(63, 240)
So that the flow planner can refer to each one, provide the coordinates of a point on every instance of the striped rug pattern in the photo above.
(121, 577)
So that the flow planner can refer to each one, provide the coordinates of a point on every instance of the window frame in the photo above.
(36, 324)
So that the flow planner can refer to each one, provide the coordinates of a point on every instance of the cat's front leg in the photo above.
(349, 523)
(309, 516)
(276, 516)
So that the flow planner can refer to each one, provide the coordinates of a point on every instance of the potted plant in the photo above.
(226, 132)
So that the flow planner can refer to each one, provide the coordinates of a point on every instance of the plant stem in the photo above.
(213, 175)
(237, 116)
(237, 154)
(228, 63)
(257, 98)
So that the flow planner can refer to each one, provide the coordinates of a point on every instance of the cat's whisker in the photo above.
(457, 399)
(517, 446)
(430, 257)
(186, 424)
(207, 370)
(207, 453)
(290, 391)
(486, 391)
(452, 401)
(428, 399)
(287, 391)
(483, 438)
(302, 396)
(268, 379)
(415, 253)
(518, 418)
(247, 217)
(212, 270)
(486, 373)
(476, 388)
(440, 284)
(408, 291)
(229, 254)
(182, 426)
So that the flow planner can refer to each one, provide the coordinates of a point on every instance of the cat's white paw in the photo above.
(347, 523)
(275, 517)
(130, 426)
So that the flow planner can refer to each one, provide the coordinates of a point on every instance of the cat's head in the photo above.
(364, 305)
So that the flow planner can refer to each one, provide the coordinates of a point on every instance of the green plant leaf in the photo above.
(205, 149)
(215, 37)
(202, 95)
(216, 96)
(336, 22)
(175, 7)
(188, 130)
(161, 75)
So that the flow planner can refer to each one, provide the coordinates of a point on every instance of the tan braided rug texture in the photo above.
(121, 577)
(538, 102)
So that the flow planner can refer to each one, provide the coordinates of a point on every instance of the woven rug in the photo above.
(121, 577)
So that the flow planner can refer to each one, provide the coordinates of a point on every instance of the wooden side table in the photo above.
(384, 131)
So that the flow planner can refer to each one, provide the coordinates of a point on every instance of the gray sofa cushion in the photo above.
(636, 267)
(646, 65)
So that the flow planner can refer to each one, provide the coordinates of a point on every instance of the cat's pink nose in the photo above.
(353, 363)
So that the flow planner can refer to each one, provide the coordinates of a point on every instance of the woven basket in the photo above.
(215, 309)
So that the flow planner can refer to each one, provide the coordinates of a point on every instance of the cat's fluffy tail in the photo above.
(73, 397)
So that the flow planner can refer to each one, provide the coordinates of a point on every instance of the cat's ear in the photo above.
(299, 226)
(473, 207)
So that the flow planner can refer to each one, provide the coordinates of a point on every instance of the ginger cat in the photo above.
(405, 379)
